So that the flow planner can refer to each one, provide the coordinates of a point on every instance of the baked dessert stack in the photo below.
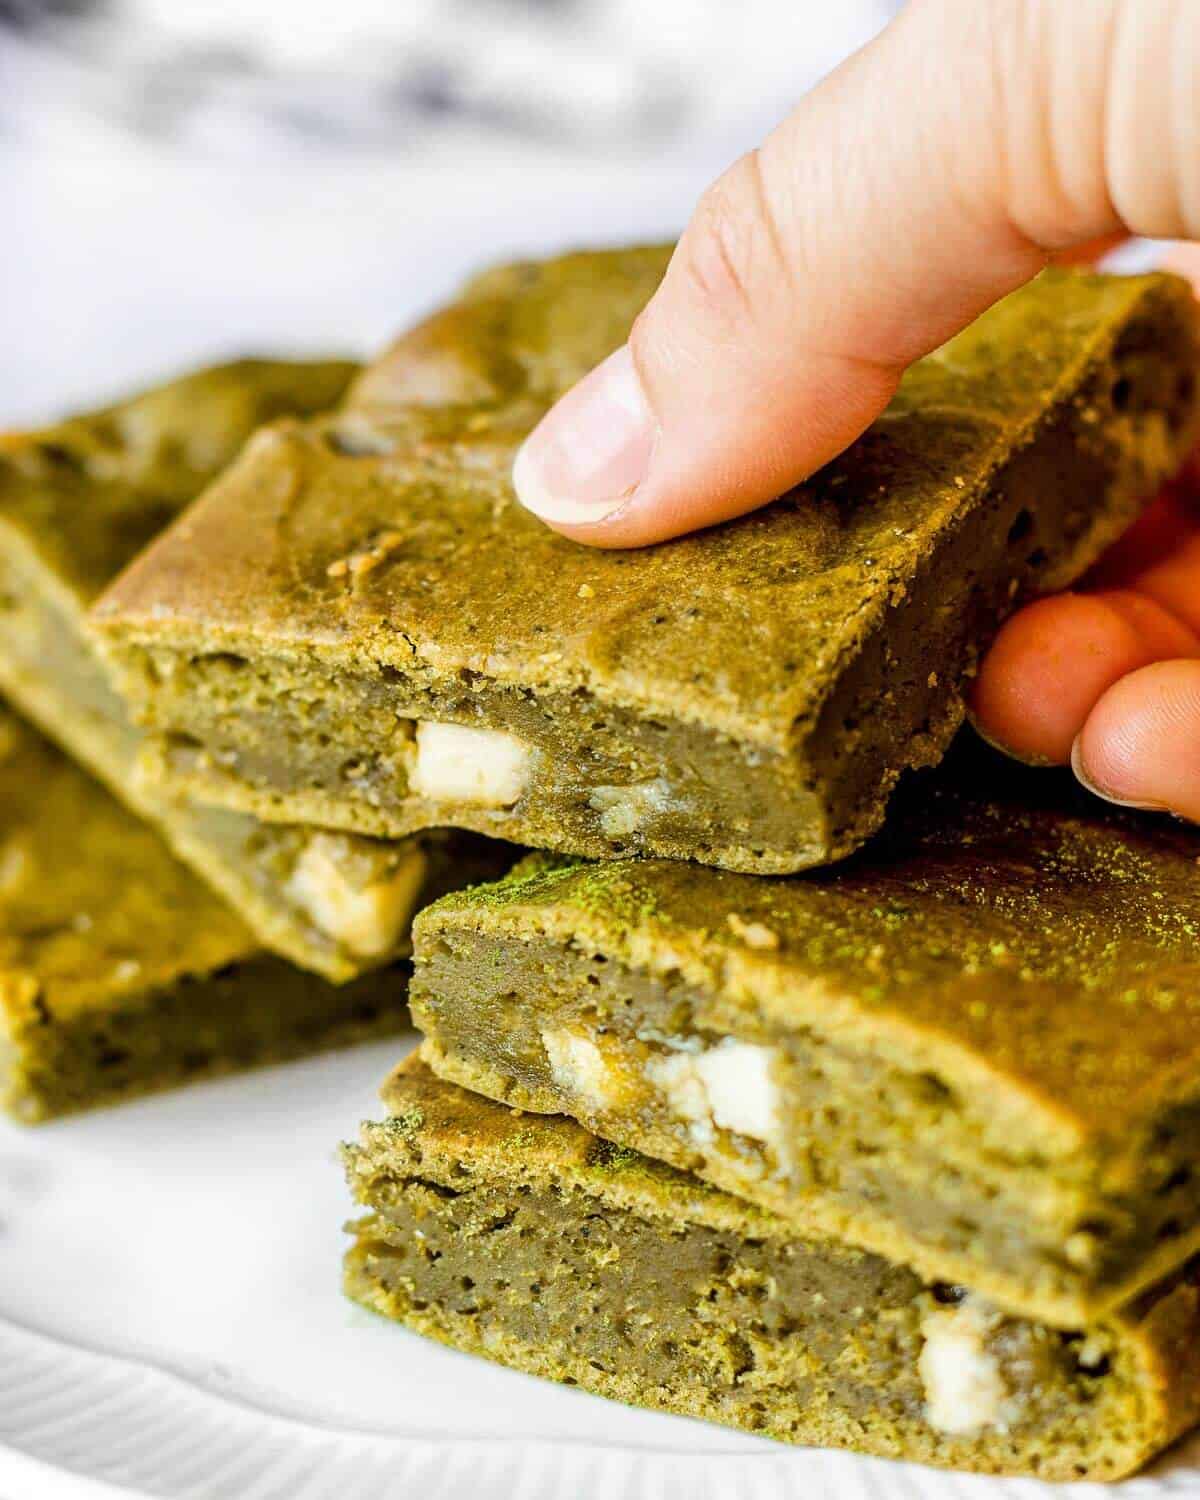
(899, 1153)
(974, 1047)
(360, 628)
(120, 972)
(123, 970)
(902, 1155)
(77, 503)
(524, 1238)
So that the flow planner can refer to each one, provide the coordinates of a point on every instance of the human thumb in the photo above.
(932, 173)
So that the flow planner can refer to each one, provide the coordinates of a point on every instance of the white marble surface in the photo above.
(228, 76)
(121, 270)
(128, 249)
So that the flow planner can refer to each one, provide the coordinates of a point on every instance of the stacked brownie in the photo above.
(135, 959)
(900, 1153)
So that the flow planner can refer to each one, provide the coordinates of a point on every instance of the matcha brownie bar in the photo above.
(77, 502)
(359, 627)
(974, 1047)
(119, 972)
(528, 1241)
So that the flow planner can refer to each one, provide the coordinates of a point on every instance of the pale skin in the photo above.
(935, 171)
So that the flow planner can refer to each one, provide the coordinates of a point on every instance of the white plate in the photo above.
(171, 1325)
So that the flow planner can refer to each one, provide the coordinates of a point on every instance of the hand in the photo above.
(935, 171)
(1108, 677)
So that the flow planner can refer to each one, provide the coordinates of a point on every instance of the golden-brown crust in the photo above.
(709, 627)
(93, 906)
(1165, 1329)
(1139, 1388)
(88, 493)
(1016, 936)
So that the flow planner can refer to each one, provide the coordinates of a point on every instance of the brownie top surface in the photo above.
(92, 904)
(389, 533)
(89, 493)
(1004, 929)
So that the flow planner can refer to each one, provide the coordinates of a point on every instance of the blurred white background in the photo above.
(183, 179)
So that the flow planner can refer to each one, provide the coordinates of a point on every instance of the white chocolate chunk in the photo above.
(964, 1387)
(578, 1066)
(458, 763)
(367, 914)
(625, 809)
(741, 1093)
(676, 1075)
(729, 1085)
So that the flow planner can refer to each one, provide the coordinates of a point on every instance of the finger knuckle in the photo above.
(727, 248)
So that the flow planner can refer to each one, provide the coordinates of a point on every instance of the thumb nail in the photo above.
(591, 450)
(1084, 778)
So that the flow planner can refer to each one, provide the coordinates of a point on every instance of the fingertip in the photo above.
(1084, 776)
(625, 528)
(591, 451)
(1140, 745)
(1052, 661)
